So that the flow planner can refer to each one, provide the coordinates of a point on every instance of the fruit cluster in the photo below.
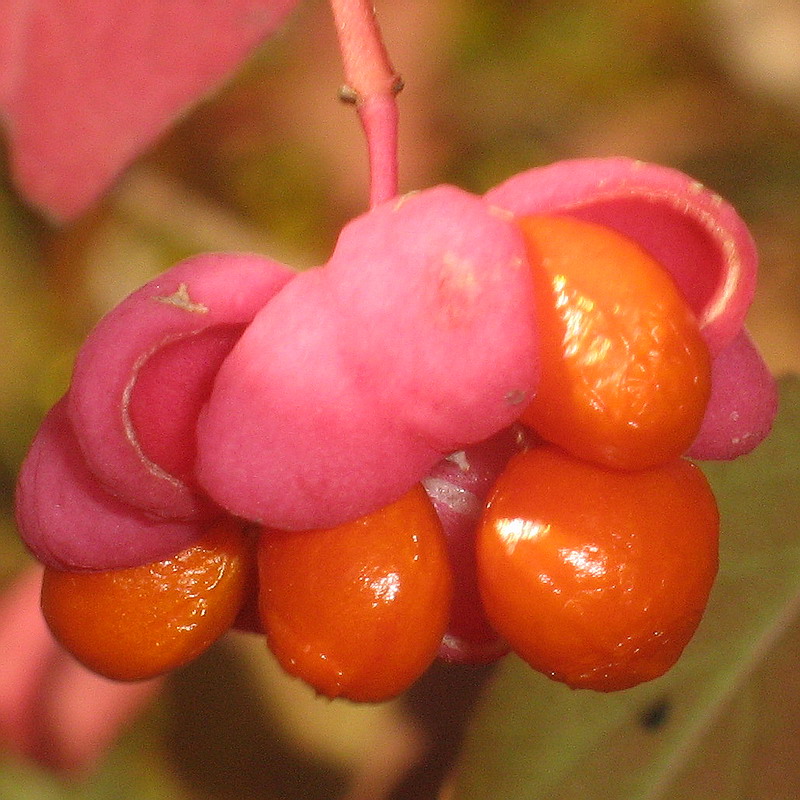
(463, 434)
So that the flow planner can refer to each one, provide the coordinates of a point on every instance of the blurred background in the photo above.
(274, 163)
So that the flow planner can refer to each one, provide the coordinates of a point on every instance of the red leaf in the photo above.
(88, 85)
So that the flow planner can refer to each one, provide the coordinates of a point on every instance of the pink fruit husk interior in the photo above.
(146, 369)
(458, 487)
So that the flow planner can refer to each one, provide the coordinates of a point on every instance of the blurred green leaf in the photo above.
(694, 732)
(226, 745)
(207, 737)
(20, 782)
(136, 769)
(28, 335)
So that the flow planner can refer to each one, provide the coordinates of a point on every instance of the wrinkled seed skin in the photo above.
(137, 623)
(626, 375)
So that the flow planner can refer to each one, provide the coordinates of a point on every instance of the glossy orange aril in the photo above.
(625, 372)
(359, 610)
(136, 623)
(597, 577)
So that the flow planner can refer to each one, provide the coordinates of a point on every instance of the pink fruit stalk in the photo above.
(372, 85)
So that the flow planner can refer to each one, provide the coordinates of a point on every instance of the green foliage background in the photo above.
(274, 164)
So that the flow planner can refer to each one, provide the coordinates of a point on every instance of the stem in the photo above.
(372, 84)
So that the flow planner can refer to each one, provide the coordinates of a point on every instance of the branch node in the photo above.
(347, 94)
